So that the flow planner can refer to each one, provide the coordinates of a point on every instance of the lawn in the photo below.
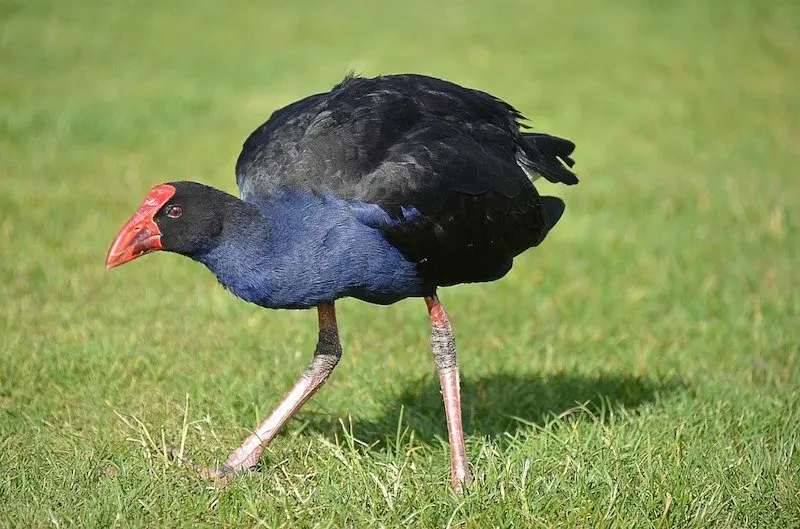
(639, 369)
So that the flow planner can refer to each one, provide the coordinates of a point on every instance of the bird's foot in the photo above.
(461, 481)
(221, 475)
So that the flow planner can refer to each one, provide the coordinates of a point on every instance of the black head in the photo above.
(192, 218)
(181, 217)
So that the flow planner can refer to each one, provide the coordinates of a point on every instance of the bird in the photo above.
(381, 189)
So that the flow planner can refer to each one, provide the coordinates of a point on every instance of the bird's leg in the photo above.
(444, 354)
(326, 356)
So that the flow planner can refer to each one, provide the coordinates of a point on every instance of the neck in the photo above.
(242, 257)
(271, 261)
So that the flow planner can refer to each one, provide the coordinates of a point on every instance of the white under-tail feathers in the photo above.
(525, 164)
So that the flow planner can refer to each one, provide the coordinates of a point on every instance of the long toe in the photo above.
(222, 475)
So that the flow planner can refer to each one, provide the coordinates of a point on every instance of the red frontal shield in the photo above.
(140, 235)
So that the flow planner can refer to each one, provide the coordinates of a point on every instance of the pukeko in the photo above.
(381, 189)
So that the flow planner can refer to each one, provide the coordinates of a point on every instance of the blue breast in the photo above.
(304, 250)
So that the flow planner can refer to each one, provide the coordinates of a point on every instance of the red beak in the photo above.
(140, 235)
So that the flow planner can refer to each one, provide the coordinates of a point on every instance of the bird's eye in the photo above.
(174, 212)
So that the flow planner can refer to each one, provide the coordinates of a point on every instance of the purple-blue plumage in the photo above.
(296, 250)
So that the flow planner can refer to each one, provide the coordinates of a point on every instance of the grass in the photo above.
(640, 369)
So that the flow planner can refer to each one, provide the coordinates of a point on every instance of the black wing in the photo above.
(454, 155)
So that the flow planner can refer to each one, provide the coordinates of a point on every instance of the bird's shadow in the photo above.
(494, 405)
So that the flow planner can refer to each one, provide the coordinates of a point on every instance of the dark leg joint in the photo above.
(443, 343)
(443, 346)
(329, 348)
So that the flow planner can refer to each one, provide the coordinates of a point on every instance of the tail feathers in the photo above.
(549, 156)
(554, 207)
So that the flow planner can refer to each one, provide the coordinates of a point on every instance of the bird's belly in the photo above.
(386, 294)
(381, 279)
(345, 261)
(366, 268)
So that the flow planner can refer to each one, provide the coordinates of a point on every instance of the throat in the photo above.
(240, 258)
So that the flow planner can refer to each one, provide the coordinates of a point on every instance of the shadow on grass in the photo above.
(496, 404)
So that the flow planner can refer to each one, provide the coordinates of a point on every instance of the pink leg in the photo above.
(326, 356)
(444, 353)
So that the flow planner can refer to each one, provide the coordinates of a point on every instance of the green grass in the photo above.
(640, 369)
